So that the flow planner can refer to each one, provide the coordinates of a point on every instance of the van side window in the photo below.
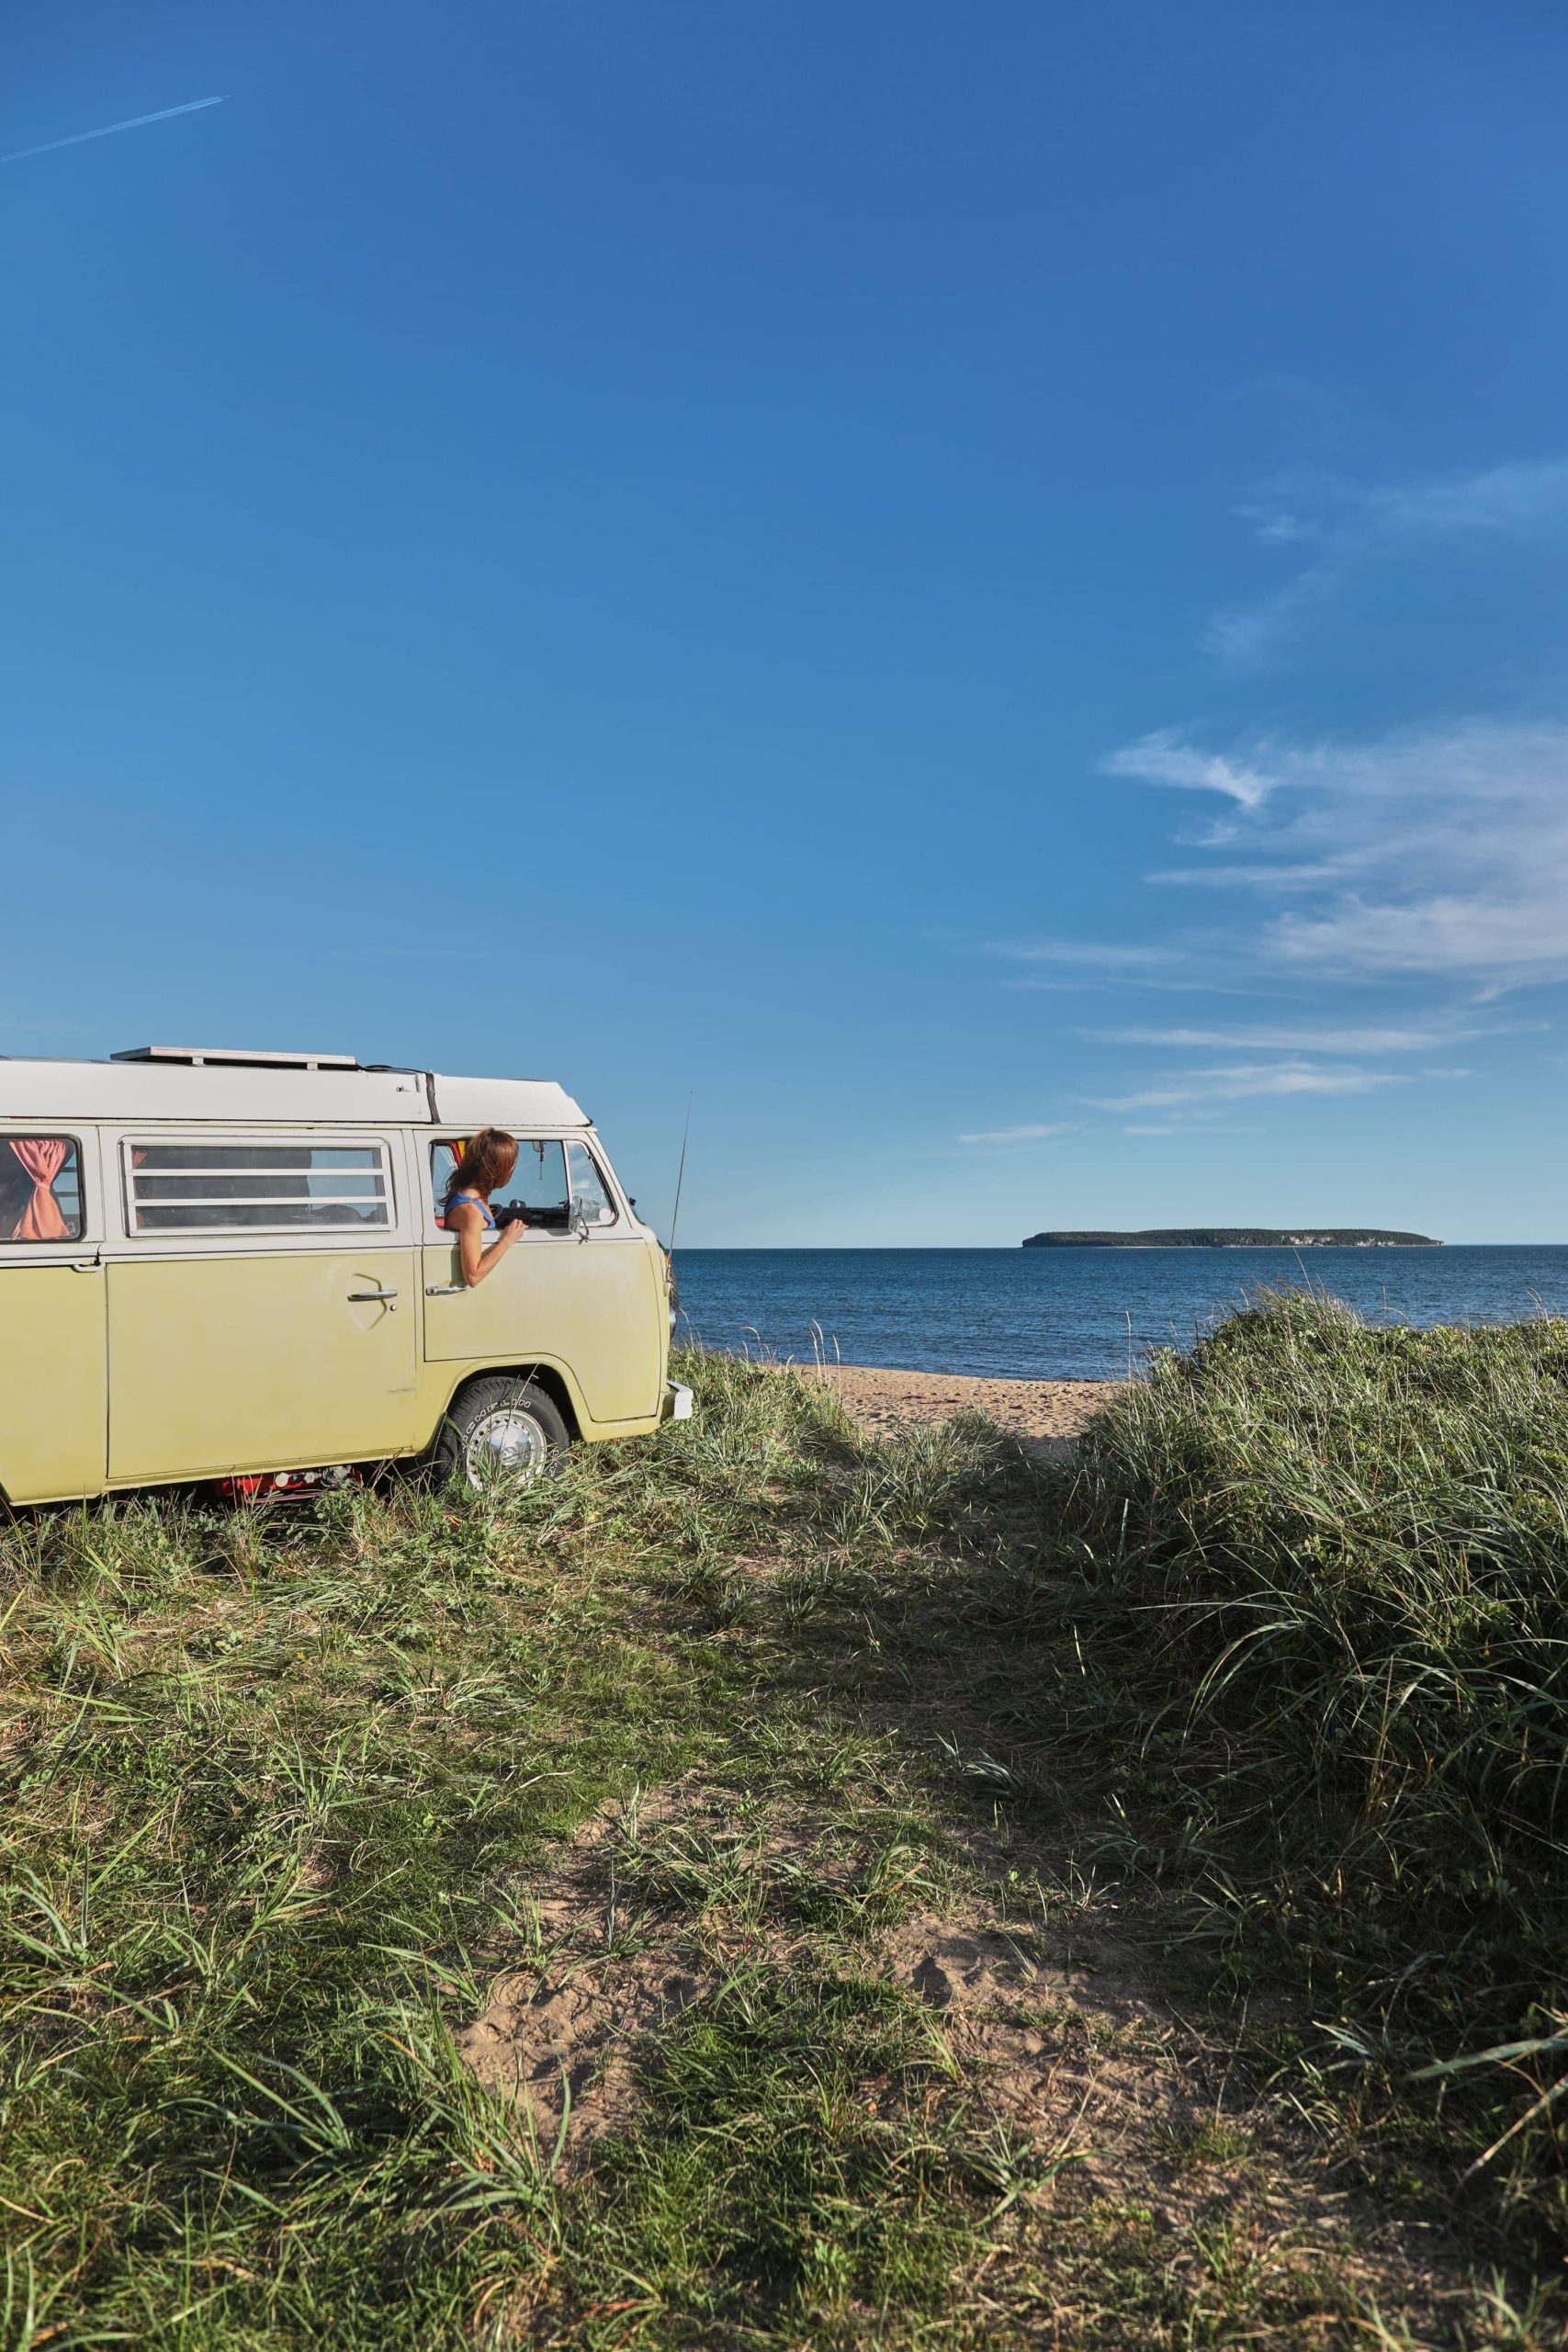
(40, 1189)
(590, 1193)
(536, 1185)
(255, 1187)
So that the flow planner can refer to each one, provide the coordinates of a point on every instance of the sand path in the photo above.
(1045, 1415)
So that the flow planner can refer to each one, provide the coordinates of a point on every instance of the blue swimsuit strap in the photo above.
(473, 1199)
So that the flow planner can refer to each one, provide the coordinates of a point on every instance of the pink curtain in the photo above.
(41, 1221)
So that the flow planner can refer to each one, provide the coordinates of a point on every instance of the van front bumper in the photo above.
(679, 1402)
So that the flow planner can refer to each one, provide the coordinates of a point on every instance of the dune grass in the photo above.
(283, 1791)
(1328, 1562)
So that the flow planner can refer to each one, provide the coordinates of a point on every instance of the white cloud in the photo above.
(1351, 525)
(1445, 851)
(1163, 758)
(1071, 968)
(1248, 877)
(1502, 941)
(1033, 1134)
(1524, 498)
(1296, 1037)
(1235, 1082)
(1090, 956)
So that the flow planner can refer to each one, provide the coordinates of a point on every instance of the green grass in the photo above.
(1328, 1564)
(286, 1792)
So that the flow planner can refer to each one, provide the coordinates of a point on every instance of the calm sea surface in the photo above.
(1071, 1313)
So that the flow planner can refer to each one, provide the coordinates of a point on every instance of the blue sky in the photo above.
(984, 590)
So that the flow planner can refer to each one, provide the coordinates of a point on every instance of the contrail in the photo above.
(133, 122)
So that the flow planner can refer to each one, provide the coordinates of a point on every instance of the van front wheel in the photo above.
(502, 1432)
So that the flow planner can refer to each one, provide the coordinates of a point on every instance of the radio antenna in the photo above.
(680, 1176)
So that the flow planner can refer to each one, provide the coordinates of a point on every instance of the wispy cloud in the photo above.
(1344, 527)
(107, 129)
(1235, 1082)
(1088, 955)
(1070, 967)
(1248, 877)
(1034, 1132)
(1445, 852)
(1500, 942)
(1163, 758)
(1296, 1037)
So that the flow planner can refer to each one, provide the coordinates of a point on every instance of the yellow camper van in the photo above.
(217, 1264)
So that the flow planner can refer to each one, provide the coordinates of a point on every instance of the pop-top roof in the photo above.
(298, 1088)
(194, 1056)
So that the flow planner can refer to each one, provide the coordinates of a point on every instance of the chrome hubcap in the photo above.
(508, 1444)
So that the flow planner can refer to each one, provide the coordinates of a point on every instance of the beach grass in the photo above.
(1333, 1560)
(915, 1902)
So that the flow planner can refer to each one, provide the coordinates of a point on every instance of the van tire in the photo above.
(502, 1429)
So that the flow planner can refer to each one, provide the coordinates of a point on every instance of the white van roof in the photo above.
(227, 1083)
(520, 1103)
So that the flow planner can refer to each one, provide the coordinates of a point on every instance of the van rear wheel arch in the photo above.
(505, 1425)
(543, 1375)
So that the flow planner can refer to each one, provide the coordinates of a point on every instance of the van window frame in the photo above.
(611, 1197)
(221, 1237)
(436, 1141)
(52, 1135)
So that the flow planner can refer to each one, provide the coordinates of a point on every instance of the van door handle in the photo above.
(374, 1298)
(444, 1290)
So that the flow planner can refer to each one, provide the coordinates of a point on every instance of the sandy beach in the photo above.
(1046, 1416)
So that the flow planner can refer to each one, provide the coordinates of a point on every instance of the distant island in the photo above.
(1237, 1237)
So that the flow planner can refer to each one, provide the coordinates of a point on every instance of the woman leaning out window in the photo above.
(489, 1160)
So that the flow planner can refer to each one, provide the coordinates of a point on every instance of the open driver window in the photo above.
(537, 1184)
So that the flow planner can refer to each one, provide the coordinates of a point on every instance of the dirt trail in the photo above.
(1058, 2032)
(652, 1903)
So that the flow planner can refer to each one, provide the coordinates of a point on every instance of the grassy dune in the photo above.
(770, 1888)
(1329, 1565)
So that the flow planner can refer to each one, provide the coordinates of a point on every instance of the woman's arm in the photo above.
(477, 1262)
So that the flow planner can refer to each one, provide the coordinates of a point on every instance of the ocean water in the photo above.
(1071, 1313)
